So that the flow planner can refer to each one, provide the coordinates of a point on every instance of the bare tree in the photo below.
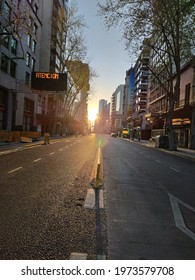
(75, 60)
(15, 21)
(170, 27)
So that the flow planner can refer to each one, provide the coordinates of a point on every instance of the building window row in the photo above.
(31, 43)
(10, 44)
(7, 11)
(30, 61)
(8, 66)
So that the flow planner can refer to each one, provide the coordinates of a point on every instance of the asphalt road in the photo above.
(150, 202)
(42, 192)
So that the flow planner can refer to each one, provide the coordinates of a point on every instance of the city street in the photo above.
(149, 201)
(148, 192)
(43, 189)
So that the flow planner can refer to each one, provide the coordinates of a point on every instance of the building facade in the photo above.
(128, 95)
(117, 108)
(33, 38)
(141, 90)
(20, 31)
(102, 104)
(184, 111)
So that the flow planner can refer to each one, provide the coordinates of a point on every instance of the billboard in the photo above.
(49, 81)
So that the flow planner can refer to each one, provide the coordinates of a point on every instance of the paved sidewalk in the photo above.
(7, 148)
(183, 152)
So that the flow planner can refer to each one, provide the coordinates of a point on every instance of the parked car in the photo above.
(113, 134)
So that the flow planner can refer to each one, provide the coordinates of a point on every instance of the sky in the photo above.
(106, 54)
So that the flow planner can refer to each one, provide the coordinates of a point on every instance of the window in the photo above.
(34, 45)
(39, 100)
(7, 11)
(14, 44)
(35, 29)
(28, 41)
(28, 59)
(36, 8)
(4, 63)
(187, 94)
(13, 66)
(5, 39)
(33, 64)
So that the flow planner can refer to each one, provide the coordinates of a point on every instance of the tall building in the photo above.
(20, 33)
(50, 116)
(141, 88)
(80, 73)
(128, 94)
(117, 108)
(102, 123)
(32, 38)
(102, 104)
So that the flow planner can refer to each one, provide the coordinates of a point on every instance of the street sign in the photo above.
(49, 81)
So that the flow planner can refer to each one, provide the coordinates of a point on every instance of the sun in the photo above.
(92, 114)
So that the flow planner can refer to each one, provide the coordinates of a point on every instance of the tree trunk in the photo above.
(169, 126)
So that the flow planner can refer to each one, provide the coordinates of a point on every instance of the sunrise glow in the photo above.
(92, 114)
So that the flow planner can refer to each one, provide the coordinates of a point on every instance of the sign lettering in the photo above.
(49, 81)
(53, 76)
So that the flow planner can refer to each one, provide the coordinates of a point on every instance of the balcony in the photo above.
(141, 101)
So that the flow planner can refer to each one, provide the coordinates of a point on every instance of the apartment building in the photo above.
(20, 31)
(102, 123)
(50, 113)
(141, 89)
(128, 95)
(79, 91)
(102, 104)
(184, 110)
(117, 108)
(32, 39)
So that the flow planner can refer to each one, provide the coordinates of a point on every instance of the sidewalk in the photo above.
(11, 147)
(182, 152)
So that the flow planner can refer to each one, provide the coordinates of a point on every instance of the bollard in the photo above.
(46, 138)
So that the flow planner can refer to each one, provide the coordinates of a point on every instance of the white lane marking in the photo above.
(38, 159)
(90, 199)
(178, 216)
(158, 161)
(16, 169)
(174, 169)
(52, 153)
(78, 256)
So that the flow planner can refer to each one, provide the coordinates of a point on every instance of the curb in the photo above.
(177, 153)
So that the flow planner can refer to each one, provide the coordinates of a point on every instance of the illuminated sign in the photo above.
(49, 81)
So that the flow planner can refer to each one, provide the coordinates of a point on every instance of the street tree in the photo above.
(74, 61)
(15, 22)
(167, 28)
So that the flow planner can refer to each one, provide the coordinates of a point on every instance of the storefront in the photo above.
(3, 109)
